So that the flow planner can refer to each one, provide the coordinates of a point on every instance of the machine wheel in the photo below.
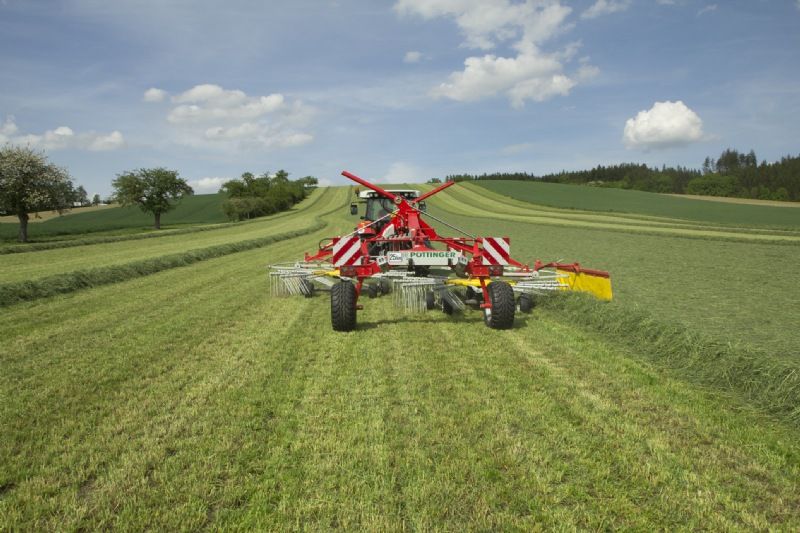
(422, 271)
(526, 303)
(447, 307)
(386, 285)
(343, 306)
(501, 315)
(372, 290)
(430, 300)
(307, 288)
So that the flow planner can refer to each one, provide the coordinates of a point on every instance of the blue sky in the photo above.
(401, 90)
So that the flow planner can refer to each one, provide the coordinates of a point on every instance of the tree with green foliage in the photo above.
(434, 181)
(154, 190)
(81, 196)
(96, 200)
(29, 184)
(251, 196)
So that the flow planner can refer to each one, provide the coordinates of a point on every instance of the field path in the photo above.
(191, 399)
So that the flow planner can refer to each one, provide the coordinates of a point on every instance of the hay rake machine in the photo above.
(393, 250)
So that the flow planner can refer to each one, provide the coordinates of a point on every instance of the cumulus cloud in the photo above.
(208, 115)
(402, 172)
(154, 95)
(605, 7)
(664, 125)
(61, 138)
(529, 74)
(207, 185)
(412, 56)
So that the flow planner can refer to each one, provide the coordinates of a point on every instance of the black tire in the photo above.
(307, 288)
(372, 290)
(386, 285)
(501, 315)
(526, 303)
(430, 300)
(447, 307)
(343, 306)
(471, 294)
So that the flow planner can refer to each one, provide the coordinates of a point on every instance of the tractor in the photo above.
(393, 250)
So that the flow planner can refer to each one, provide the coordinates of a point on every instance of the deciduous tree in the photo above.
(29, 183)
(154, 190)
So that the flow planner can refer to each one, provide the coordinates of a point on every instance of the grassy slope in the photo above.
(474, 201)
(47, 215)
(625, 201)
(200, 209)
(735, 291)
(221, 407)
(30, 266)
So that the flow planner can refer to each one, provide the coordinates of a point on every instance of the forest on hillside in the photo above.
(733, 173)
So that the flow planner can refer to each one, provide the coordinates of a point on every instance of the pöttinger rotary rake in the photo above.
(393, 250)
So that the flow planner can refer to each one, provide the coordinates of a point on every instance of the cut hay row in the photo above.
(30, 267)
(599, 199)
(190, 399)
(308, 203)
(470, 203)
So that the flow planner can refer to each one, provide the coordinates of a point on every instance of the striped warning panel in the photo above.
(346, 250)
(496, 250)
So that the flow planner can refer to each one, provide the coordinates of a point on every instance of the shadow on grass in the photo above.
(471, 317)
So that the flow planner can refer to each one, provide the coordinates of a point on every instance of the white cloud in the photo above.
(707, 9)
(529, 75)
(605, 7)
(665, 125)
(797, 4)
(61, 138)
(669, 2)
(112, 141)
(412, 57)
(208, 115)
(207, 185)
(154, 95)
(9, 126)
(401, 172)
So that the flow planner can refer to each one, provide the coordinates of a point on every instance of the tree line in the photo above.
(733, 173)
(254, 196)
(29, 183)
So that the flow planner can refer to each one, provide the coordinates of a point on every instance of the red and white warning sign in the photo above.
(346, 250)
(496, 250)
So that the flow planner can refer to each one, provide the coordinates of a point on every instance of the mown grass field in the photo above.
(199, 209)
(644, 203)
(191, 399)
(34, 265)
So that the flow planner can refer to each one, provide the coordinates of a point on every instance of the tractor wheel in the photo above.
(501, 315)
(526, 303)
(430, 300)
(343, 306)
(372, 290)
(386, 285)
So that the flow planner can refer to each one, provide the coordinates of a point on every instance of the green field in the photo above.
(199, 209)
(644, 203)
(190, 399)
